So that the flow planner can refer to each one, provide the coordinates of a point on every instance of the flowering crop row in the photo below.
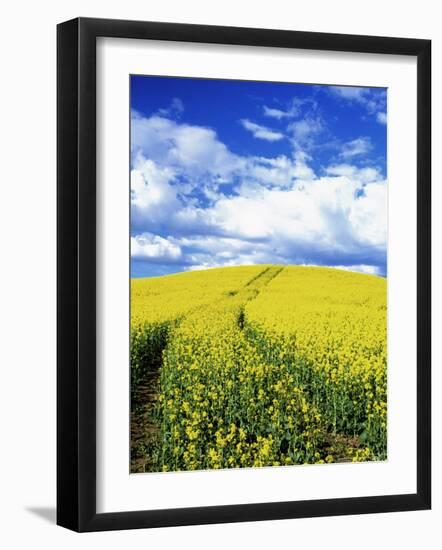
(159, 303)
(263, 365)
(332, 324)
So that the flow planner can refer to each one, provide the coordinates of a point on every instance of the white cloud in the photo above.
(305, 130)
(176, 108)
(261, 132)
(356, 147)
(381, 117)
(293, 109)
(325, 215)
(373, 100)
(276, 210)
(368, 215)
(362, 175)
(192, 157)
(155, 248)
(153, 196)
(203, 163)
(280, 171)
(193, 149)
(352, 93)
(331, 219)
(362, 268)
(221, 251)
(274, 113)
(302, 171)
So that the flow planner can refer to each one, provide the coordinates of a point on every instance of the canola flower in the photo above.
(262, 365)
(221, 405)
(159, 303)
(333, 325)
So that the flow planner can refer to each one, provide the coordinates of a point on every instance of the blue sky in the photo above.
(228, 172)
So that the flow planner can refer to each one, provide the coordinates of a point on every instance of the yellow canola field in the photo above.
(158, 303)
(167, 298)
(263, 365)
(333, 323)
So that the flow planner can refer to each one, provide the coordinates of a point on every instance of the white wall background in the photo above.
(27, 289)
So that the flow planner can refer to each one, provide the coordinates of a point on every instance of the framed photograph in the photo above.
(243, 274)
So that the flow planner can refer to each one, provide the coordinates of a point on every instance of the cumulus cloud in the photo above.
(368, 215)
(148, 246)
(175, 108)
(153, 197)
(195, 150)
(353, 93)
(381, 117)
(356, 147)
(192, 157)
(210, 252)
(305, 130)
(292, 110)
(275, 209)
(275, 113)
(261, 132)
(374, 101)
(281, 171)
(366, 174)
(323, 220)
(302, 170)
(362, 268)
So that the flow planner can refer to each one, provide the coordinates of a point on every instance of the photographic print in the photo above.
(258, 238)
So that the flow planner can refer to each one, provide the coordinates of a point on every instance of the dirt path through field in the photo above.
(144, 425)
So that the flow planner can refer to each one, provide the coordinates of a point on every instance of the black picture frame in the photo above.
(76, 274)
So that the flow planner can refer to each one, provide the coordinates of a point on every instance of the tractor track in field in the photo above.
(241, 320)
(336, 444)
(144, 429)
